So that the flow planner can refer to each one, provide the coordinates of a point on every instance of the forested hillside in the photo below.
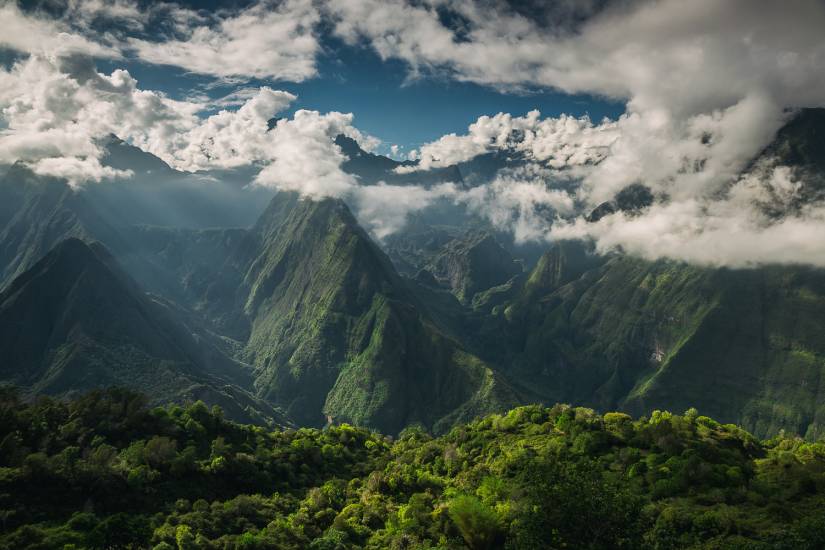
(105, 471)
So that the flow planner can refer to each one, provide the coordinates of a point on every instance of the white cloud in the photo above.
(561, 142)
(55, 111)
(383, 209)
(687, 57)
(52, 114)
(265, 40)
(709, 212)
(51, 119)
(303, 157)
(521, 202)
(86, 12)
(716, 233)
(39, 35)
(231, 138)
(76, 170)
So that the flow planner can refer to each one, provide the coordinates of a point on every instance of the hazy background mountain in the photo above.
(75, 321)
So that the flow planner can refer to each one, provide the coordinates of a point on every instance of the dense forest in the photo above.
(106, 471)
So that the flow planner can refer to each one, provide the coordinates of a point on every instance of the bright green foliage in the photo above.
(104, 471)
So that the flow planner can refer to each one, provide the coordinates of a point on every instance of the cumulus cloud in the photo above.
(265, 40)
(231, 138)
(686, 57)
(707, 87)
(56, 108)
(33, 34)
(304, 158)
(557, 142)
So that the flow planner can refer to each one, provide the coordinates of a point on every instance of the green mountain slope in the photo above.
(336, 331)
(473, 264)
(38, 213)
(74, 321)
(742, 345)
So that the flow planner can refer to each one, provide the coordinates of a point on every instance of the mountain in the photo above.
(472, 264)
(331, 329)
(39, 212)
(372, 169)
(336, 330)
(631, 200)
(743, 345)
(800, 145)
(201, 270)
(299, 310)
(801, 142)
(123, 156)
(75, 321)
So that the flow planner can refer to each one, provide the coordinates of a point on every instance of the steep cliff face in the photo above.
(336, 332)
(473, 264)
(743, 345)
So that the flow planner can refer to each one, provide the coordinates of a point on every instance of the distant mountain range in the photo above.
(285, 310)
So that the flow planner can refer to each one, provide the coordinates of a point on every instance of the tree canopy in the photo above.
(105, 471)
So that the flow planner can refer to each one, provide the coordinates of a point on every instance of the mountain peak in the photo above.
(349, 146)
(76, 321)
(801, 142)
(63, 264)
(120, 155)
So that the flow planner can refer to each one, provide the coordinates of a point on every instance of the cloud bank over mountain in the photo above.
(707, 84)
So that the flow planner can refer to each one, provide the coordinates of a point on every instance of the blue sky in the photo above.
(386, 103)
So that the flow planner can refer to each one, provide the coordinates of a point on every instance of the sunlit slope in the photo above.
(335, 330)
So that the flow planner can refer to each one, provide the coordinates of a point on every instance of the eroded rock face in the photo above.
(471, 265)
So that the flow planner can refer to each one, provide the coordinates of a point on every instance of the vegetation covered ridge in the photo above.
(106, 471)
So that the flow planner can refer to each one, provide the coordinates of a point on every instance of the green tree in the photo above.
(478, 524)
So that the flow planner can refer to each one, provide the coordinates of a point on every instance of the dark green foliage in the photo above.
(477, 522)
(575, 507)
(104, 471)
(623, 333)
(76, 321)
